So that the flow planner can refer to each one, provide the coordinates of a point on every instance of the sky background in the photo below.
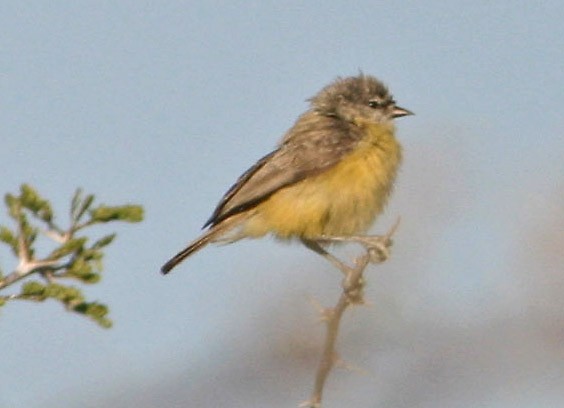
(165, 104)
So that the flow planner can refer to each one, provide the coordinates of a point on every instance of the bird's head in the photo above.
(357, 99)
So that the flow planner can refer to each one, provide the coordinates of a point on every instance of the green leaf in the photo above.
(72, 245)
(83, 271)
(76, 198)
(84, 206)
(8, 237)
(33, 289)
(69, 295)
(96, 311)
(79, 267)
(91, 278)
(46, 214)
(80, 206)
(92, 255)
(104, 241)
(31, 200)
(127, 213)
(14, 206)
(28, 231)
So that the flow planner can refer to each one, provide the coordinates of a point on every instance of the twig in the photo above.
(25, 269)
(377, 251)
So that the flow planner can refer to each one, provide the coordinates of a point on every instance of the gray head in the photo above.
(359, 98)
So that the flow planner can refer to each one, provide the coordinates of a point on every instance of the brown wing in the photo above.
(313, 145)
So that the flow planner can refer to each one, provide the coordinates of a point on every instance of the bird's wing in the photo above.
(313, 148)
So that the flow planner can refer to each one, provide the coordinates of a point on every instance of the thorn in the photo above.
(325, 313)
(350, 367)
(394, 228)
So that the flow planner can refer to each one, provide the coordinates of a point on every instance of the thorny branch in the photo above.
(377, 251)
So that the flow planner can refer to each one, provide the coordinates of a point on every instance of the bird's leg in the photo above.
(336, 262)
(377, 246)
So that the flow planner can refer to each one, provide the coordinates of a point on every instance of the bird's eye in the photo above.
(375, 104)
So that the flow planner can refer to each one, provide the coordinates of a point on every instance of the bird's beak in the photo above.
(399, 112)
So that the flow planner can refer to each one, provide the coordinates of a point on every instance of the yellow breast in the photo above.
(344, 200)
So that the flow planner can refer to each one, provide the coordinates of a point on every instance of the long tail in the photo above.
(209, 236)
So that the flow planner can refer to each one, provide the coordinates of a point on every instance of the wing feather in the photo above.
(313, 145)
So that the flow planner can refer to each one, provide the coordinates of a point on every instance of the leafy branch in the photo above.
(73, 257)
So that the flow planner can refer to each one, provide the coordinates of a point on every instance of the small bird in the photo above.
(329, 177)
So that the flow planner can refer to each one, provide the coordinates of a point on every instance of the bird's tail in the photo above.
(212, 235)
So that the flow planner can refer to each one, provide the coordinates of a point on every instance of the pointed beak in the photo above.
(399, 112)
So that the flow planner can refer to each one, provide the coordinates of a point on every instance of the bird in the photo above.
(328, 178)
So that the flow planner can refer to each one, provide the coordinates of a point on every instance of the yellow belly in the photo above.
(344, 200)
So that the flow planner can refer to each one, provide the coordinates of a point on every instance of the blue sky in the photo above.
(165, 105)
